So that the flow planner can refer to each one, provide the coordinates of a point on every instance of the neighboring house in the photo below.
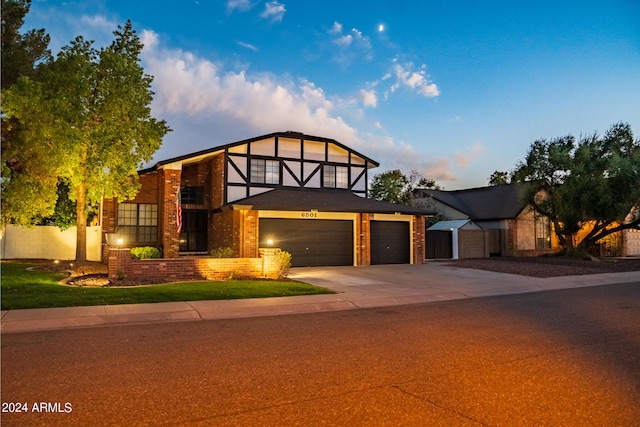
(631, 237)
(300, 193)
(512, 228)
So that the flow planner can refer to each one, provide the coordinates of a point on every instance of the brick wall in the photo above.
(167, 215)
(187, 268)
(363, 233)
(237, 229)
(419, 235)
(198, 175)
(149, 188)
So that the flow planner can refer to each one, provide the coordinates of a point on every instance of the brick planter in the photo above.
(189, 268)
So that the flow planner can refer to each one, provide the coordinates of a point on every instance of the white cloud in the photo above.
(344, 40)
(207, 105)
(336, 28)
(189, 86)
(369, 98)
(248, 46)
(351, 47)
(241, 5)
(416, 80)
(274, 11)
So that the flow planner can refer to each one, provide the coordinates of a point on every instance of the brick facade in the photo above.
(418, 239)
(235, 229)
(168, 213)
(363, 234)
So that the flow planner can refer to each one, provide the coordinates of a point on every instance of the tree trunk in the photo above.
(81, 222)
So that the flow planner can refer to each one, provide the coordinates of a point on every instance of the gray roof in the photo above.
(484, 203)
(322, 201)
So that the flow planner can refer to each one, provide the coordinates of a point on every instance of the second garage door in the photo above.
(390, 243)
(311, 243)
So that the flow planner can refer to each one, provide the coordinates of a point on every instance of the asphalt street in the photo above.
(563, 358)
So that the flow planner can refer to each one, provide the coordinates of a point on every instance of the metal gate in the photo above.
(439, 244)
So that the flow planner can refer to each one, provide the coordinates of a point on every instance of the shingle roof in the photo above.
(322, 201)
(484, 203)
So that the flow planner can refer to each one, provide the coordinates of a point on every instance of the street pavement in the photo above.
(355, 287)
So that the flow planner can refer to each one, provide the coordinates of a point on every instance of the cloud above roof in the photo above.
(208, 105)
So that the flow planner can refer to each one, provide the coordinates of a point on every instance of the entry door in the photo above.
(390, 242)
(193, 237)
(310, 242)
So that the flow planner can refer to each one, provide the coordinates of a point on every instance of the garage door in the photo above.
(390, 242)
(310, 242)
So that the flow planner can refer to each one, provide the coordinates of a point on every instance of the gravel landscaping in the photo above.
(552, 266)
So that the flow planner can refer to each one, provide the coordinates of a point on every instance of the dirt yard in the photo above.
(551, 266)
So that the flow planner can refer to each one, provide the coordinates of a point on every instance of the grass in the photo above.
(22, 288)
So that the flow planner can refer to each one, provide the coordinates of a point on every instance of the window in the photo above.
(138, 222)
(265, 171)
(192, 195)
(543, 232)
(336, 176)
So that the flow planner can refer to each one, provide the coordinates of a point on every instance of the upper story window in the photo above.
(192, 195)
(138, 222)
(335, 176)
(265, 171)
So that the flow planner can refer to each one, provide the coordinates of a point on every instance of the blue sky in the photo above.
(452, 89)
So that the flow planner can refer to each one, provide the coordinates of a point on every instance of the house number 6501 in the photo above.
(309, 215)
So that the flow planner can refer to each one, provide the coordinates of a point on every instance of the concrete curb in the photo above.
(356, 287)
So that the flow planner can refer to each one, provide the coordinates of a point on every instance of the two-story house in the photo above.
(303, 194)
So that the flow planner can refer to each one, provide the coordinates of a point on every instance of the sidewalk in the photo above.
(355, 287)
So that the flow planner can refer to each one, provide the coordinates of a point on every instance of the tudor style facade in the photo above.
(303, 194)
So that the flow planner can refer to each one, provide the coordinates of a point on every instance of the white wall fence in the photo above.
(47, 242)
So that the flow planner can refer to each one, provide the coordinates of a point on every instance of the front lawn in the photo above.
(36, 289)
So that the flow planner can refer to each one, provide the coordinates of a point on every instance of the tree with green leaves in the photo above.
(394, 186)
(20, 52)
(591, 183)
(499, 178)
(85, 119)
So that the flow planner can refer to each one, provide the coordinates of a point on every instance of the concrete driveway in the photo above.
(381, 285)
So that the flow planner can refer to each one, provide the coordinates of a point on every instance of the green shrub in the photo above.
(145, 252)
(222, 253)
(283, 263)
